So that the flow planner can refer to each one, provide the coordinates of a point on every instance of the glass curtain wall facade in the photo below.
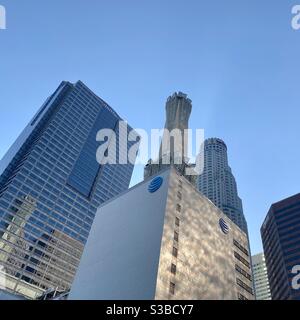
(281, 241)
(260, 277)
(50, 188)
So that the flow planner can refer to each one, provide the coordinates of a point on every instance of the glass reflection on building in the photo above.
(50, 188)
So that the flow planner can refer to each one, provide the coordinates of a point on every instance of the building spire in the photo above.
(172, 149)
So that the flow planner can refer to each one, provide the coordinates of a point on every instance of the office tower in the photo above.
(173, 150)
(50, 188)
(260, 277)
(167, 242)
(218, 183)
(281, 241)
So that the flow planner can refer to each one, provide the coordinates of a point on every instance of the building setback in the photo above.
(50, 188)
(218, 184)
(260, 277)
(281, 241)
(162, 239)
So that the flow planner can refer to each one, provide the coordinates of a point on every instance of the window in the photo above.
(243, 272)
(178, 207)
(244, 286)
(176, 236)
(177, 221)
(173, 268)
(175, 252)
(172, 288)
(240, 258)
(86, 168)
(238, 245)
(179, 195)
(241, 297)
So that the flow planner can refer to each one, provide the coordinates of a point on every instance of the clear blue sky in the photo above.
(238, 60)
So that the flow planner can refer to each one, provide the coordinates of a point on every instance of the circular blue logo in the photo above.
(155, 184)
(224, 226)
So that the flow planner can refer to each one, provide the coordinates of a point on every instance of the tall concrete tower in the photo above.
(172, 149)
(178, 111)
(218, 183)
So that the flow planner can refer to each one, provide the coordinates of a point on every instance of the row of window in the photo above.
(242, 260)
(59, 217)
(16, 267)
(244, 286)
(176, 239)
(68, 254)
(239, 246)
(243, 272)
(241, 297)
(59, 209)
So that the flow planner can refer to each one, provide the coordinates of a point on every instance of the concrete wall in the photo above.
(205, 262)
(129, 252)
(120, 260)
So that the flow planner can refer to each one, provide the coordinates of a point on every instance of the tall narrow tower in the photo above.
(178, 111)
(218, 183)
(172, 149)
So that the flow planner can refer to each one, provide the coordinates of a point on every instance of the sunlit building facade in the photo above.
(260, 277)
(164, 240)
(218, 184)
(50, 188)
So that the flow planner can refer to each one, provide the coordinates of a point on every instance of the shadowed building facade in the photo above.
(281, 241)
(50, 188)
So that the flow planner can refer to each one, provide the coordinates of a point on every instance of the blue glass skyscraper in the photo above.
(50, 188)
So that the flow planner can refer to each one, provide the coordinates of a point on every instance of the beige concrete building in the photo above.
(162, 239)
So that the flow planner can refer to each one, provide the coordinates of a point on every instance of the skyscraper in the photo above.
(218, 183)
(260, 277)
(169, 242)
(173, 149)
(50, 188)
(281, 241)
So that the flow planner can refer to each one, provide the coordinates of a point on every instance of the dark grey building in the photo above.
(50, 188)
(218, 183)
(281, 241)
